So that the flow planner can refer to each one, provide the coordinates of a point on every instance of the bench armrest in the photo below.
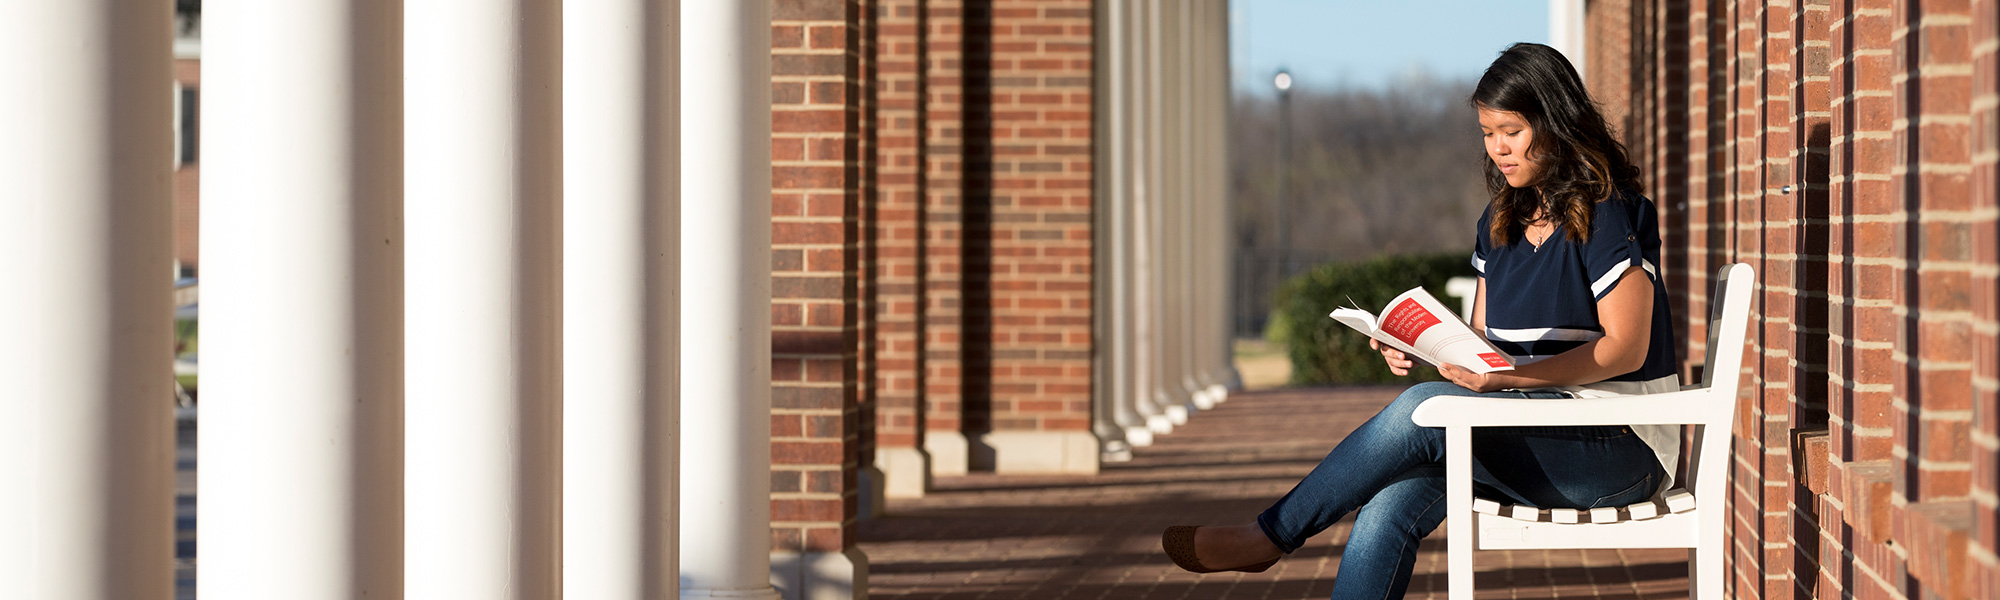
(1671, 408)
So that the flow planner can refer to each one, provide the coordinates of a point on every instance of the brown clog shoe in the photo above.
(1178, 541)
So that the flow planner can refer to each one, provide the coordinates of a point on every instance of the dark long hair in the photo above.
(1582, 164)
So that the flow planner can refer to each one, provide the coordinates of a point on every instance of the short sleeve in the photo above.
(1482, 242)
(1624, 233)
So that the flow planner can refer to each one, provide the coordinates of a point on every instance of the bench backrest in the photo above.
(1722, 376)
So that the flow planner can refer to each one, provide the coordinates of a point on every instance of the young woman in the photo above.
(1567, 253)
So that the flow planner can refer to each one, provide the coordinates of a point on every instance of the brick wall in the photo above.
(816, 215)
(1030, 251)
(1844, 148)
(187, 182)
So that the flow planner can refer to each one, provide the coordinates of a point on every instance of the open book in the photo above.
(1424, 329)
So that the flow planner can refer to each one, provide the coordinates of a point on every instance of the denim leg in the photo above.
(1379, 451)
(1382, 549)
(1542, 466)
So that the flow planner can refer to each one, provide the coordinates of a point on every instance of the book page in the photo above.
(1419, 320)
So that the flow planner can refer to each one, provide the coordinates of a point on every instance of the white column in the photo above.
(1566, 30)
(1221, 228)
(620, 303)
(726, 182)
(1110, 418)
(90, 435)
(1162, 413)
(1163, 205)
(1121, 356)
(301, 438)
(1194, 308)
(483, 223)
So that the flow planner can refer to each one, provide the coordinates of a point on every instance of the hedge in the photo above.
(1322, 350)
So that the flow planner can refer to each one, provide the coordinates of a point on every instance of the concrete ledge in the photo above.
(949, 452)
(1023, 452)
(820, 575)
(906, 472)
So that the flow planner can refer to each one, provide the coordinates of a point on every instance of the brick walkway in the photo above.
(987, 536)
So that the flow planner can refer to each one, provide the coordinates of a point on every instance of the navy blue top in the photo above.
(1541, 302)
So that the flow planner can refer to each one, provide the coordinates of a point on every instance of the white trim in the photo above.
(1542, 334)
(1478, 264)
(1611, 276)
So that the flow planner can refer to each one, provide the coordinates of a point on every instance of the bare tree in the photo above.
(1393, 170)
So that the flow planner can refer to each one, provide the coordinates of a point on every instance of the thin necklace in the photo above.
(1542, 218)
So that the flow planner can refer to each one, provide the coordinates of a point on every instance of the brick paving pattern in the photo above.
(988, 536)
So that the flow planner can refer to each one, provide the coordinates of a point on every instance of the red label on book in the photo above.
(1408, 320)
(1493, 360)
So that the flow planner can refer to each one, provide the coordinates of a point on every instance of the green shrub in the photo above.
(1322, 350)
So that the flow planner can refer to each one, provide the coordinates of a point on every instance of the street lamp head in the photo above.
(1283, 81)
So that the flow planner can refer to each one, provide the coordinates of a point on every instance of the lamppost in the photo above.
(1284, 84)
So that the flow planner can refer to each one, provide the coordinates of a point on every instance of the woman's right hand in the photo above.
(1398, 362)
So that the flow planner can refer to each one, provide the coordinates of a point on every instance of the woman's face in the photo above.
(1508, 138)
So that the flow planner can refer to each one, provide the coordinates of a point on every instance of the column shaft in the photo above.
(1149, 359)
(1114, 397)
(620, 305)
(91, 442)
(484, 224)
(725, 161)
(1221, 221)
(1163, 200)
(301, 439)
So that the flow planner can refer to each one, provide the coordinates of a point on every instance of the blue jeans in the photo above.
(1393, 471)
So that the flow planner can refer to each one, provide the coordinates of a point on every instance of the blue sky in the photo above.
(1373, 43)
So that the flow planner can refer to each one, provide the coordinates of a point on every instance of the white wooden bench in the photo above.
(1678, 519)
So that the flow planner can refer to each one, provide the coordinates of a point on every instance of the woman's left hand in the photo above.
(1477, 382)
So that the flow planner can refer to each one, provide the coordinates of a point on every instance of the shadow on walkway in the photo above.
(989, 536)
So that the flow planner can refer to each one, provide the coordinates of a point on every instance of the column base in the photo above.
(1200, 399)
(949, 452)
(1176, 411)
(1139, 436)
(906, 472)
(1197, 394)
(820, 575)
(1218, 392)
(870, 497)
(765, 593)
(1115, 451)
(1043, 452)
(1161, 424)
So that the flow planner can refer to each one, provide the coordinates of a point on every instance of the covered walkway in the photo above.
(1013, 536)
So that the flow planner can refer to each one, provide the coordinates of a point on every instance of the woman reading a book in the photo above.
(1567, 253)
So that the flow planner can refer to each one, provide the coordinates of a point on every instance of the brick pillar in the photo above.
(1810, 136)
(1774, 226)
(898, 237)
(1608, 71)
(867, 274)
(1029, 265)
(1862, 283)
(1935, 422)
(943, 227)
(187, 177)
(815, 215)
(1983, 569)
